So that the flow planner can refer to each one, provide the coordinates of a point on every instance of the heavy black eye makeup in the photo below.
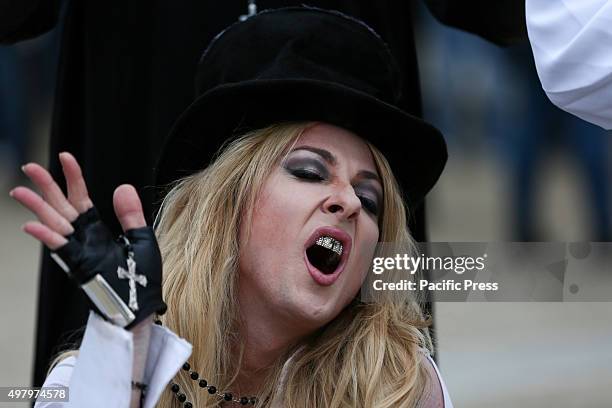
(306, 168)
(370, 198)
(307, 164)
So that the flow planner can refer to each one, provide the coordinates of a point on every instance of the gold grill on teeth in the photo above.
(330, 243)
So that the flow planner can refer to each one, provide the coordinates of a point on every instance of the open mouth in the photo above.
(325, 254)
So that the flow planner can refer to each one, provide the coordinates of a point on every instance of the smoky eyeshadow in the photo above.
(304, 161)
(299, 162)
(369, 192)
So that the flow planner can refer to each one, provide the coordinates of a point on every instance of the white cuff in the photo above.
(101, 375)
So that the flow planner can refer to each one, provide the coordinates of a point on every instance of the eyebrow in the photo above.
(331, 159)
(326, 155)
(366, 174)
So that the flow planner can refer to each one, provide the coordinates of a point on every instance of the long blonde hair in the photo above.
(368, 356)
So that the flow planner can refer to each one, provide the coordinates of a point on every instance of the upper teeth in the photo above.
(330, 243)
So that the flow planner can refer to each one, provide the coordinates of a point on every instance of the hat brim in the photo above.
(415, 149)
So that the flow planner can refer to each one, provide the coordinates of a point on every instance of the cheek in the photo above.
(365, 249)
(274, 225)
(369, 243)
(275, 215)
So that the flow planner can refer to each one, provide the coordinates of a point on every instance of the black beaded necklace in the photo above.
(212, 390)
(226, 396)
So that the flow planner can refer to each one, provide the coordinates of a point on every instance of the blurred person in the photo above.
(539, 129)
(495, 88)
(265, 287)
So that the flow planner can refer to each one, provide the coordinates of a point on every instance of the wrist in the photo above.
(141, 339)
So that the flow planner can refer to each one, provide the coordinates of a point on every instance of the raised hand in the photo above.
(83, 246)
(55, 212)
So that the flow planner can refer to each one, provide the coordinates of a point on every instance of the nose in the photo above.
(343, 203)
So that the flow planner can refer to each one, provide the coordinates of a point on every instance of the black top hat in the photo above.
(302, 63)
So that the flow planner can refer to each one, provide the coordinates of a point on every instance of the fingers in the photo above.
(50, 190)
(128, 207)
(44, 212)
(53, 210)
(44, 234)
(75, 184)
(56, 212)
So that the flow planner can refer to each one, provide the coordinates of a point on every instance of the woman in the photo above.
(264, 250)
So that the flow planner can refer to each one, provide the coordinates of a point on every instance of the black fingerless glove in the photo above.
(122, 277)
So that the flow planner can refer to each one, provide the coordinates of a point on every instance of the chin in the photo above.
(314, 313)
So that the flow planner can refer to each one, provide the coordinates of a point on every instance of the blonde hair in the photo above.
(368, 356)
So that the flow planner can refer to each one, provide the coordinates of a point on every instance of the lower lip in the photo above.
(321, 278)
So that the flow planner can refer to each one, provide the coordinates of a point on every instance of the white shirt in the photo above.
(572, 46)
(101, 375)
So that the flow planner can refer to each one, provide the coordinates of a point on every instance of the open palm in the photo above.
(56, 212)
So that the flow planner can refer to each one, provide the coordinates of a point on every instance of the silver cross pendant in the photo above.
(133, 279)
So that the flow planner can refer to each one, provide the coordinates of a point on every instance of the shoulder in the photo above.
(435, 394)
(58, 377)
(61, 373)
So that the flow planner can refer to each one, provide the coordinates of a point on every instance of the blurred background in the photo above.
(519, 170)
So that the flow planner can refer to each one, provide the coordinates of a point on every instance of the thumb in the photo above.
(128, 207)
